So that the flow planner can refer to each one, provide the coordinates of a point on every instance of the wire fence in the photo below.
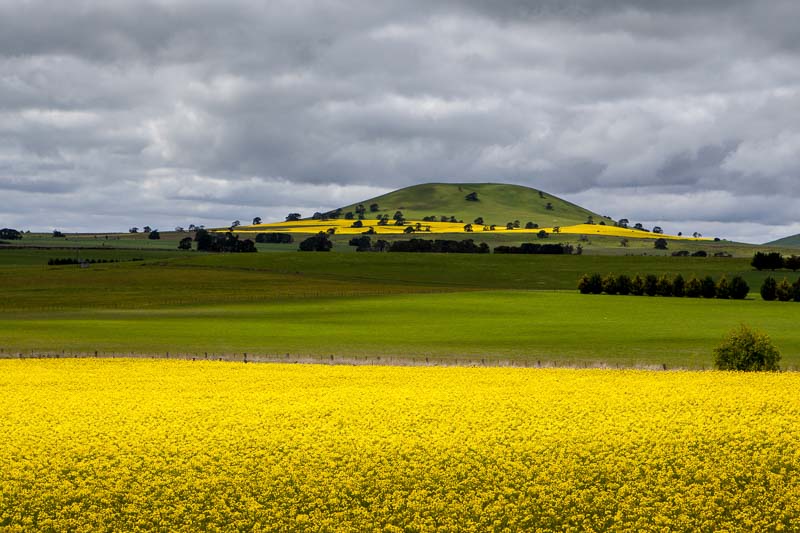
(359, 360)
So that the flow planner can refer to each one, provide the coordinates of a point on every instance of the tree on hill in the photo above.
(510, 225)
(472, 197)
(373, 208)
(147, 229)
(660, 244)
(293, 217)
(657, 229)
(10, 234)
(549, 206)
(542, 234)
(133, 230)
(531, 225)
(154, 235)
(468, 228)
(357, 224)
(479, 220)
(256, 221)
(57, 233)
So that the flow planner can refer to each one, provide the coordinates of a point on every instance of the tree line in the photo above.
(781, 291)
(775, 261)
(664, 285)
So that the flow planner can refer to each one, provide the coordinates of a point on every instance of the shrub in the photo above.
(637, 285)
(650, 284)
(739, 288)
(723, 288)
(664, 286)
(678, 286)
(694, 288)
(610, 284)
(708, 287)
(784, 290)
(746, 350)
(769, 289)
(660, 244)
(700, 253)
(624, 284)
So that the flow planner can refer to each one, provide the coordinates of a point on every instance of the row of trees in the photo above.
(441, 246)
(775, 261)
(274, 238)
(652, 285)
(782, 291)
(215, 242)
(533, 248)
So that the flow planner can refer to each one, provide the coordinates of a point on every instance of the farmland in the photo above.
(476, 309)
(183, 446)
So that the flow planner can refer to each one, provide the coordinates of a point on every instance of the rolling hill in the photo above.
(793, 241)
(496, 203)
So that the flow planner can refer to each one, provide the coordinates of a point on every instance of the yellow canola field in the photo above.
(138, 445)
(345, 227)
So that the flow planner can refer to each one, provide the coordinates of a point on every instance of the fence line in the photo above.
(353, 360)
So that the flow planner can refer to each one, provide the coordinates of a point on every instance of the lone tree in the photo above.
(660, 244)
(154, 235)
(472, 197)
(292, 217)
(256, 221)
(747, 350)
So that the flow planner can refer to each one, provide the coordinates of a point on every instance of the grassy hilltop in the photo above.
(793, 241)
(497, 204)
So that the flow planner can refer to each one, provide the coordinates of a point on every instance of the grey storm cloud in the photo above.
(164, 112)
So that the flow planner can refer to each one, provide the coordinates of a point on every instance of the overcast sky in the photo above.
(681, 113)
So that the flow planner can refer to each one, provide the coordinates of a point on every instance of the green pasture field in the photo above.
(494, 308)
(524, 327)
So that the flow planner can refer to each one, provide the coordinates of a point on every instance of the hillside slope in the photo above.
(497, 204)
(793, 241)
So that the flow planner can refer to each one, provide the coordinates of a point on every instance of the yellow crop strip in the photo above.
(131, 445)
(422, 228)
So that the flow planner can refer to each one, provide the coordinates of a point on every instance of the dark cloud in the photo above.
(177, 111)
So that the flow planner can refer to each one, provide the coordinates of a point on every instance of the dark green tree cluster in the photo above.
(534, 248)
(73, 261)
(664, 285)
(365, 244)
(318, 243)
(781, 291)
(440, 246)
(775, 261)
(227, 242)
(10, 234)
(274, 238)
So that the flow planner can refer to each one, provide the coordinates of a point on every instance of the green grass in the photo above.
(492, 307)
(498, 204)
(535, 326)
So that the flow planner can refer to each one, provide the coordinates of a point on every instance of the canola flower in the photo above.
(134, 445)
(345, 227)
